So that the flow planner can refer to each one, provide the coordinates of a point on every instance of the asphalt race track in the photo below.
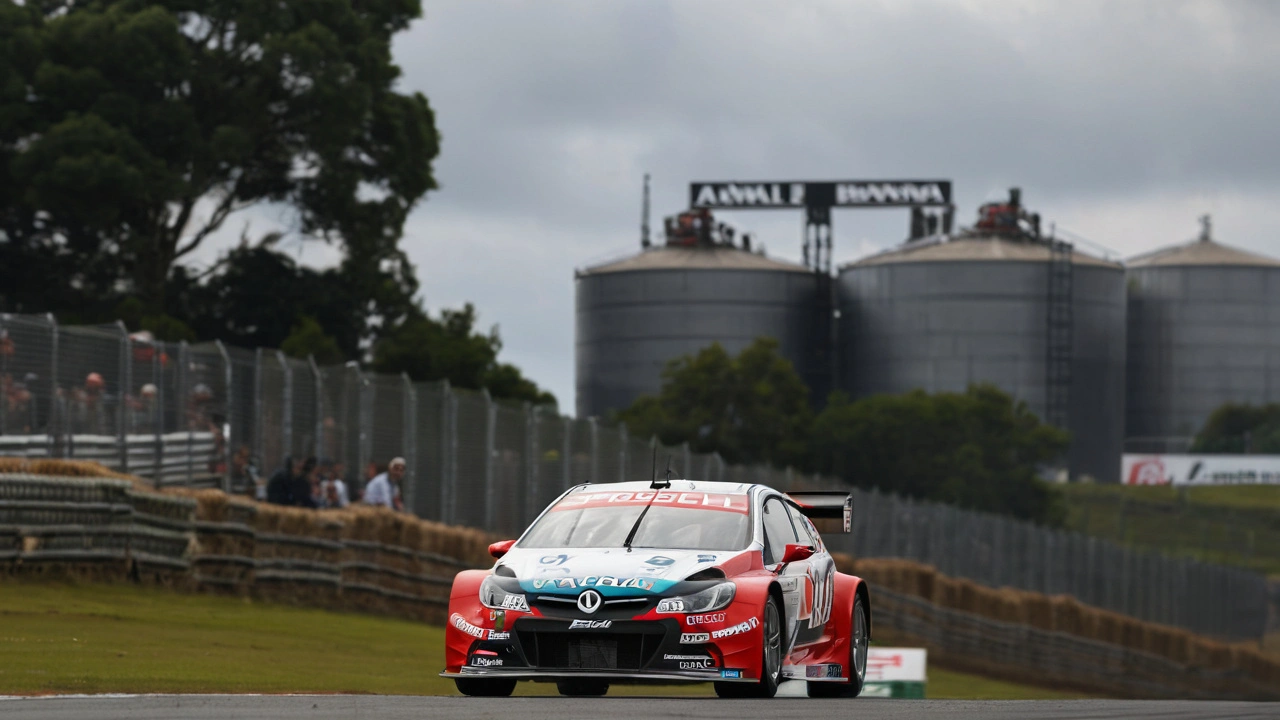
(336, 707)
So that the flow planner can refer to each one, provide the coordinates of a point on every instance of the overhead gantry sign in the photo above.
(817, 198)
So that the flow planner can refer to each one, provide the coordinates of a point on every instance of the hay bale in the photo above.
(845, 563)
(1038, 610)
(1066, 614)
(1008, 606)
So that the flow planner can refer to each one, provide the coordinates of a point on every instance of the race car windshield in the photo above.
(673, 528)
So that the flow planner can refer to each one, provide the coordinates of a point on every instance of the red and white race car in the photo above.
(665, 582)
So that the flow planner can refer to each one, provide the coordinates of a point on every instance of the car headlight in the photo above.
(493, 596)
(713, 598)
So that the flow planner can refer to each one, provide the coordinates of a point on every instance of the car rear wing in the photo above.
(826, 505)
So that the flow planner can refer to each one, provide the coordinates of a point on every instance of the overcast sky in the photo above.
(1121, 122)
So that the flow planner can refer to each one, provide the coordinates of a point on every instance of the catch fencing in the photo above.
(212, 415)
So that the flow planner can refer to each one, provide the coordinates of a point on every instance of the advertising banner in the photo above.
(886, 664)
(842, 193)
(1200, 469)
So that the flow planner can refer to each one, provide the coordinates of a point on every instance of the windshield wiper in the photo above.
(632, 535)
(652, 486)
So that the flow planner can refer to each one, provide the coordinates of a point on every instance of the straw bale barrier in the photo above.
(1027, 636)
(359, 558)
(77, 518)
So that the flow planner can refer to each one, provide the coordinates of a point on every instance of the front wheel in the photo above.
(483, 687)
(859, 641)
(582, 688)
(771, 662)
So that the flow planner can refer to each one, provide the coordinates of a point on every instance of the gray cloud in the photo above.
(1122, 121)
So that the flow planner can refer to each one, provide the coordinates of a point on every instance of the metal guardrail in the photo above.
(173, 459)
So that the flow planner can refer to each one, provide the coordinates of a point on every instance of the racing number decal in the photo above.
(820, 591)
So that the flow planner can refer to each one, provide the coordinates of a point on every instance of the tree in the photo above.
(753, 408)
(308, 339)
(979, 449)
(449, 348)
(1238, 429)
(131, 130)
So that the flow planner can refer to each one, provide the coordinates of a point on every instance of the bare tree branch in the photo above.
(227, 206)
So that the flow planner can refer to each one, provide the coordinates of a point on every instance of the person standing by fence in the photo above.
(384, 489)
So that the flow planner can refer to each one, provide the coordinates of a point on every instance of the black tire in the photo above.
(770, 664)
(858, 643)
(484, 687)
(584, 687)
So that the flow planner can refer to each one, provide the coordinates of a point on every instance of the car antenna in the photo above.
(654, 485)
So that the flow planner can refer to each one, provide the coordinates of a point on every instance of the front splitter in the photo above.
(615, 676)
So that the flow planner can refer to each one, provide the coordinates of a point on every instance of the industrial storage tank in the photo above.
(636, 314)
(1204, 329)
(997, 303)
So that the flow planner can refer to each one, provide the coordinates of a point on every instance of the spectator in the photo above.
(281, 483)
(90, 413)
(384, 489)
(143, 409)
(244, 476)
(303, 488)
(333, 491)
(198, 408)
(371, 471)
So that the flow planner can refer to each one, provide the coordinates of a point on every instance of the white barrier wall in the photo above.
(1200, 469)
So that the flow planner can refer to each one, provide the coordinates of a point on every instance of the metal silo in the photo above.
(996, 304)
(1204, 329)
(636, 314)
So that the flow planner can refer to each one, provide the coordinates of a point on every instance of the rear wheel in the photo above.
(584, 687)
(771, 662)
(483, 687)
(859, 641)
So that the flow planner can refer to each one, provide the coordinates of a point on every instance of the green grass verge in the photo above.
(1236, 525)
(951, 685)
(73, 638)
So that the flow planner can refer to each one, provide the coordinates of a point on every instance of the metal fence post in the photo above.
(595, 451)
(532, 461)
(184, 403)
(445, 497)
(126, 385)
(259, 436)
(490, 426)
(623, 438)
(51, 425)
(451, 430)
(322, 448)
(410, 434)
(158, 424)
(228, 407)
(364, 416)
(286, 415)
(566, 455)
(5, 350)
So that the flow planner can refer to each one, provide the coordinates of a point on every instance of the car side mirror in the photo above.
(499, 549)
(796, 552)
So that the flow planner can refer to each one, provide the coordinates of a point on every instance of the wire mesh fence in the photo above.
(207, 415)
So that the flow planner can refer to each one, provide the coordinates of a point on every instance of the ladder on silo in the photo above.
(1058, 355)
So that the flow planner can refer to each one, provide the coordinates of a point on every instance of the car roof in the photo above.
(728, 488)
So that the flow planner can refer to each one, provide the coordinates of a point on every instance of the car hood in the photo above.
(612, 571)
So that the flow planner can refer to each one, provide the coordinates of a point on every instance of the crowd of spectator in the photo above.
(91, 407)
(317, 483)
